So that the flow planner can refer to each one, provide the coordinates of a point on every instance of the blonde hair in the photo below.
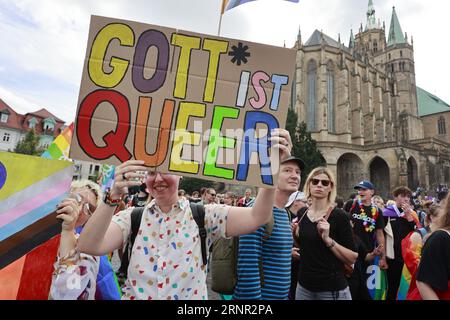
(321, 170)
(379, 198)
(84, 183)
(390, 203)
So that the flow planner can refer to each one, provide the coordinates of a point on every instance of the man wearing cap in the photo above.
(273, 251)
(368, 222)
(297, 200)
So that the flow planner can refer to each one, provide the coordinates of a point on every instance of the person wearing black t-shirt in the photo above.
(433, 274)
(368, 224)
(402, 220)
(324, 236)
(368, 219)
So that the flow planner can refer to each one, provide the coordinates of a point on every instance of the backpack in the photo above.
(223, 264)
(198, 213)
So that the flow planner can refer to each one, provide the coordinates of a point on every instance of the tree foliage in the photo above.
(303, 145)
(29, 145)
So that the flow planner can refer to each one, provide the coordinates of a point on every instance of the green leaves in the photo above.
(303, 145)
(29, 145)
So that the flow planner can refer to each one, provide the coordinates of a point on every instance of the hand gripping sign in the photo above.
(185, 103)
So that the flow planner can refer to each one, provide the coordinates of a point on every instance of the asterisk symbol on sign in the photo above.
(239, 54)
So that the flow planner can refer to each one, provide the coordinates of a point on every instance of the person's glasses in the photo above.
(89, 209)
(324, 183)
(212, 194)
(93, 191)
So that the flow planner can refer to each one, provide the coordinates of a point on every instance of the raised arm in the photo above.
(246, 220)
(101, 236)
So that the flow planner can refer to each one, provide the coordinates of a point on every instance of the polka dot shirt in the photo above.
(166, 260)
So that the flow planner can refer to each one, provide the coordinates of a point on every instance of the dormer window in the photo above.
(49, 124)
(32, 123)
(48, 127)
(4, 115)
(4, 118)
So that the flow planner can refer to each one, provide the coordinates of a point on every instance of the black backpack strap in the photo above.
(198, 213)
(136, 217)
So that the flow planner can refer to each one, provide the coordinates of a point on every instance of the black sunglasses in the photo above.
(325, 183)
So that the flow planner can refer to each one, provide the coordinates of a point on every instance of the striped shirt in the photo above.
(275, 254)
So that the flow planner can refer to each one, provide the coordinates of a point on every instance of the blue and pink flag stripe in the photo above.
(230, 4)
(30, 189)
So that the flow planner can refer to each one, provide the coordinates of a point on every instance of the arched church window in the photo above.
(331, 99)
(311, 107)
(441, 125)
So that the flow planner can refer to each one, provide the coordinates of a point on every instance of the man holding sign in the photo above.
(166, 260)
(175, 103)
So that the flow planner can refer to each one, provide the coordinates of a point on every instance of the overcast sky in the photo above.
(43, 42)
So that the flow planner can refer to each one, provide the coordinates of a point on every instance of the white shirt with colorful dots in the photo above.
(166, 260)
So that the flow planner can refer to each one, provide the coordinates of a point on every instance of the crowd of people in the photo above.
(318, 247)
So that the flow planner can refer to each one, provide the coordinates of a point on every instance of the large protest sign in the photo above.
(186, 103)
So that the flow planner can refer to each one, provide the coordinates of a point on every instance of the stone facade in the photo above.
(436, 125)
(360, 105)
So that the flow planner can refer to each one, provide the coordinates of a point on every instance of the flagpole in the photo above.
(220, 18)
(220, 23)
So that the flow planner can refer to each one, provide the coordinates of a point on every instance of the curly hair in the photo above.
(84, 183)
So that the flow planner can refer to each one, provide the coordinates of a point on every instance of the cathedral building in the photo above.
(361, 104)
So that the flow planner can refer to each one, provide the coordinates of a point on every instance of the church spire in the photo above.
(299, 37)
(351, 43)
(395, 31)
(371, 21)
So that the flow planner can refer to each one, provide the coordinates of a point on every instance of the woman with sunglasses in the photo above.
(80, 276)
(325, 240)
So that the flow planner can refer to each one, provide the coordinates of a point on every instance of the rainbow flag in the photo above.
(60, 147)
(30, 189)
(411, 254)
(405, 282)
(18, 279)
(230, 4)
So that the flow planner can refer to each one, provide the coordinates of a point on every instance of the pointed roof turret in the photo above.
(371, 20)
(395, 31)
(351, 43)
(299, 37)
